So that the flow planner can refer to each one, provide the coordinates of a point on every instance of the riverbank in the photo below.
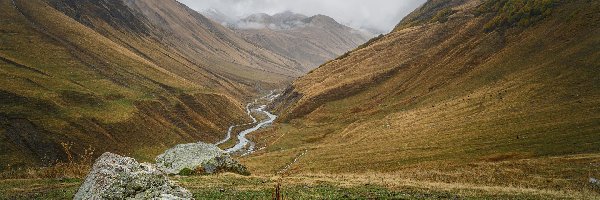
(244, 146)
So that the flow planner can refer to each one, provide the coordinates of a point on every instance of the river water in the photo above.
(244, 145)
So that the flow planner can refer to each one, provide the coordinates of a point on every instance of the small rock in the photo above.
(117, 177)
(594, 181)
(201, 157)
(224, 163)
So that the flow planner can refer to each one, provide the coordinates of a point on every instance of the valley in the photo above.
(309, 40)
(243, 145)
(462, 99)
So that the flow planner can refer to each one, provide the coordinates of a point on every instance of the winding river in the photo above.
(243, 142)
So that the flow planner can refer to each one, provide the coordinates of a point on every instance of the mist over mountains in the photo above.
(285, 20)
(310, 41)
(377, 16)
(283, 99)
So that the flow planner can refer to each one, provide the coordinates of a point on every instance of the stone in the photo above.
(222, 164)
(118, 177)
(201, 157)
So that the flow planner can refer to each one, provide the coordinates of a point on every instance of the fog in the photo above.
(378, 16)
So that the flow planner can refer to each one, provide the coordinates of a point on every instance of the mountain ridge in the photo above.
(309, 40)
(459, 92)
(113, 76)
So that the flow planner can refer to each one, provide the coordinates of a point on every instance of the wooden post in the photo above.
(277, 194)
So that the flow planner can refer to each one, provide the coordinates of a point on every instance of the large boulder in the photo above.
(117, 177)
(200, 158)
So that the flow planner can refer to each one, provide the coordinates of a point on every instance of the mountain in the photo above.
(131, 77)
(280, 21)
(219, 17)
(465, 92)
(309, 40)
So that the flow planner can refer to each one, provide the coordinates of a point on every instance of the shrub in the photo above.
(442, 15)
(186, 172)
(371, 41)
(515, 13)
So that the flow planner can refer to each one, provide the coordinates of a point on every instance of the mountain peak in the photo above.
(262, 18)
(280, 21)
(218, 16)
(289, 16)
(322, 20)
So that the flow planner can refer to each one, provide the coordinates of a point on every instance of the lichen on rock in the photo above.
(224, 164)
(201, 157)
(117, 177)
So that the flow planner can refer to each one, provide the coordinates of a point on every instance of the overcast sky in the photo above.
(364, 14)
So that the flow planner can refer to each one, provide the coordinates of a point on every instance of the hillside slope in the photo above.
(183, 41)
(309, 40)
(486, 93)
(112, 76)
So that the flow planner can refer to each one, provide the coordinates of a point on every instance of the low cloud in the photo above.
(250, 25)
(378, 15)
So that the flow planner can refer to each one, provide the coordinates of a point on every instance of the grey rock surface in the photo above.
(224, 164)
(201, 157)
(118, 177)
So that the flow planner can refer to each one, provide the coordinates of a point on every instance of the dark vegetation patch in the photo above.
(425, 13)
(515, 13)
(186, 172)
(286, 100)
(12, 103)
(341, 92)
(38, 189)
(23, 66)
(33, 139)
(114, 13)
(79, 98)
(442, 15)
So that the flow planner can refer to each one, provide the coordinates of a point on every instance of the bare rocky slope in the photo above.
(129, 77)
(309, 40)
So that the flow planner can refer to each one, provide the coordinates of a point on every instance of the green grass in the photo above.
(307, 186)
(39, 188)
(231, 188)
(322, 191)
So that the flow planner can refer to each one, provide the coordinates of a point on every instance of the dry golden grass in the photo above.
(73, 168)
(389, 181)
(95, 84)
(499, 112)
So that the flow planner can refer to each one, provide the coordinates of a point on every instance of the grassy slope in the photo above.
(448, 102)
(212, 47)
(183, 42)
(63, 82)
(401, 137)
(314, 186)
(301, 43)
